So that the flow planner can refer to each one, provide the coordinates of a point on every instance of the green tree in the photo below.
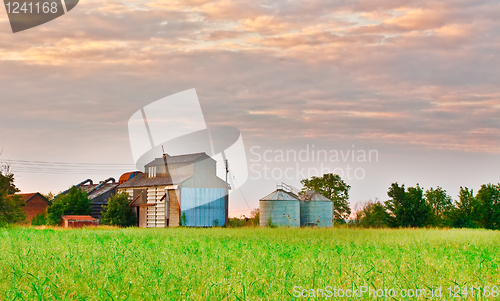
(334, 188)
(255, 217)
(11, 205)
(74, 202)
(118, 212)
(465, 210)
(488, 199)
(372, 215)
(407, 208)
(441, 206)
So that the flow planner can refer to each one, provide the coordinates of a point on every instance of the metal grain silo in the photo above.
(282, 207)
(315, 210)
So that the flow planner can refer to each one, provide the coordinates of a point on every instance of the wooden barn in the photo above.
(174, 187)
(35, 204)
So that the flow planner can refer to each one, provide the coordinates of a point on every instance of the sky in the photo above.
(416, 83)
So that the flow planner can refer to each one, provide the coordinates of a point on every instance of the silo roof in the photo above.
(280, 195)
(314, 196)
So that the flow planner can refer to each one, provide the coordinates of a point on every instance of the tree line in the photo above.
(414, 207)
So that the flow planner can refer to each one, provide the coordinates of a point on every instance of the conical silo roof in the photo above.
(280, 195)
(314, 196)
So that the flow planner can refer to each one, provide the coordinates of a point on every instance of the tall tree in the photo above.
(465, 210)
(441, 206)
(11, 205)
(407, 208)
(488, 199)
(118, 212)
(334, 188)
(75, 202)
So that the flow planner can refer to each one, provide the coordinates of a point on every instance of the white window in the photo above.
(152, 171)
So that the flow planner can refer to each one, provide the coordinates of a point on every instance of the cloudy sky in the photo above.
(419, 82)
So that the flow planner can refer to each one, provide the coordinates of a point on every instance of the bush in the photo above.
(75, 202)
(270, 223)
(183, 221)
(118, 212)
(372, 215)
(38, 220)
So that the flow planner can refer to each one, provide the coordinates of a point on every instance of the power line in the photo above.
(24, 166)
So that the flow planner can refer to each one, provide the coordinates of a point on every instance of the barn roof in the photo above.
(176, 159)
(142, 180)
(99, 191)
(78, 217)
(29, 196)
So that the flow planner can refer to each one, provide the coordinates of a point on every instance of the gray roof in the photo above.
(142, 180)
(98, 192)
(280, 195)
(176, 159)
(312, 195)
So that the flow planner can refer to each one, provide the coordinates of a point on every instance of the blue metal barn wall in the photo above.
(203, 206)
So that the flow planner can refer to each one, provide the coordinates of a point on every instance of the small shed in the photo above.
(78, 221)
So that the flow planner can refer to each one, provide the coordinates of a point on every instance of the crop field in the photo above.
(245, 264)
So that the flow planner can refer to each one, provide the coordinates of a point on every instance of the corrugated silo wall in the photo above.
(318, 213)
(282, 213)
(203, 206)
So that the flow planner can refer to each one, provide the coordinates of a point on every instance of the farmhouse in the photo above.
(35, 204)
(177, 190)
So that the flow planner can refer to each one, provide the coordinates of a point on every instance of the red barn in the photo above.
(78, 221)
(35, 204)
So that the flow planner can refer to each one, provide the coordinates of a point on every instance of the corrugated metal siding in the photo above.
(203, 206)
(282, 213)
(317, 213)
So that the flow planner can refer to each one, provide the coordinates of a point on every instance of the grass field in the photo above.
(240, 264)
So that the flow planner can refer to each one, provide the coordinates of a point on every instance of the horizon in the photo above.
(417, 83)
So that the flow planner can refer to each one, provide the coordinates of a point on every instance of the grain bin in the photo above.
(315, 210)
(282, 207)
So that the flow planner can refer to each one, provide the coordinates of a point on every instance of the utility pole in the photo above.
(167, 172)
(227, 168)
(227, 195)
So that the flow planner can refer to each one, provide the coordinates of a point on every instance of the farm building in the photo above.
(281, 207)
(35, 204)
(177, 188)
(127, 176)
(98, 193)
(78, 221)
(315, 210)
(289, 207)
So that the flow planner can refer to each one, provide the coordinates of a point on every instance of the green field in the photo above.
(240, 264)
